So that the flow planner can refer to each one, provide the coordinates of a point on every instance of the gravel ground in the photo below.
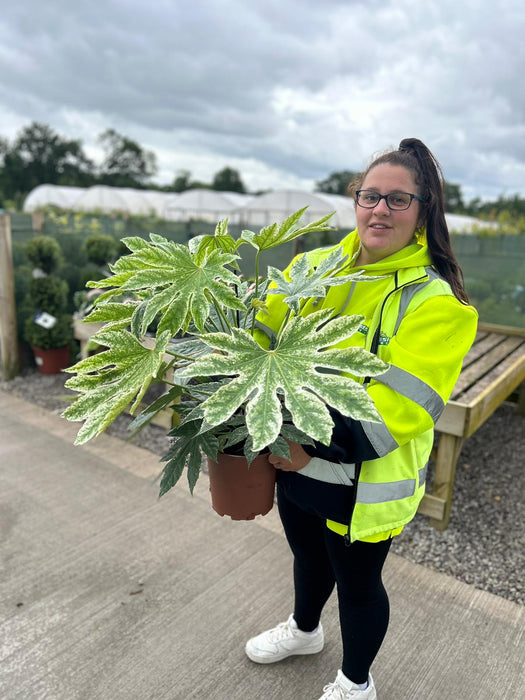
(484, 544)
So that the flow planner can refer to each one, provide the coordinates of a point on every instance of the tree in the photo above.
(336, 183)
(41, 156)
(512, 206)
(454, 198)
(228, 180)
(126, 163)
(181, 182)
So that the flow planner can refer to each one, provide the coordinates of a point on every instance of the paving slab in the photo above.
(108, 593)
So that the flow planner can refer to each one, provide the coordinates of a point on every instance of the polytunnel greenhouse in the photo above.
(205, 205)
(112, 199)
(52, 195)
(266, 208)
(208, 205)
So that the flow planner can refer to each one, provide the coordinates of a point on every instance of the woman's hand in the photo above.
(298, 459)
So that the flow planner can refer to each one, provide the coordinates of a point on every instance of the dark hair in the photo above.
(413, 155)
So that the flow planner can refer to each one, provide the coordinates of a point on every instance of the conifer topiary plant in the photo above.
(47, 296)
(227, 388)
(44, 253)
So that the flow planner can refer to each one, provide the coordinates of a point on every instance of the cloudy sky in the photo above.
(286, 91)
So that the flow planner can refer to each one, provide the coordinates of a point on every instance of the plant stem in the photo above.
(221, 314)
(215, 327)
(284, 324)
(179, 356)
(256, 292)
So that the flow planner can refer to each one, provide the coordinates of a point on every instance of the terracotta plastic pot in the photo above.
(240, 491)
(52, 361)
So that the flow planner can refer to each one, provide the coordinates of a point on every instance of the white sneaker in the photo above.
(282, 641)
(344, 689)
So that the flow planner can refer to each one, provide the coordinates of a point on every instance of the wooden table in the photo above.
(492, 370)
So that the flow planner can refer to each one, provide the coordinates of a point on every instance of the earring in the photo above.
(421, 235)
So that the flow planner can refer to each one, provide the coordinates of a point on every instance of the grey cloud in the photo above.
(206, 75)
(190, 58)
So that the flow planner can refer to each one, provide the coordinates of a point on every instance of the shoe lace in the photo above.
(333, 691)
(282, 631)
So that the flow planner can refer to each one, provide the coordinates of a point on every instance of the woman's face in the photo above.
(383, 232)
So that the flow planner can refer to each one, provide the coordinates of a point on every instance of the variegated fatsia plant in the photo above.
(226, 388)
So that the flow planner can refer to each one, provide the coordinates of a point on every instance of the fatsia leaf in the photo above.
(134, 243)
(114, 315)
(201, 246)
(296, 370)
(236, 436)
(275, 234)
(280, 448)
(186, 451)
(305, 282)
(112, 379)
(178, 286)
(162, 402)
(290, 432)
(249, 452)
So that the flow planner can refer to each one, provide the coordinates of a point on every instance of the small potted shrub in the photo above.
(51, 346)
(44, 253)
(47, 328)
(231, 392)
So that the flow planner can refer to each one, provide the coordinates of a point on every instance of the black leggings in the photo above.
(322, 560)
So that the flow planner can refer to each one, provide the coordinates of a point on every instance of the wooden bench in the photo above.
(493, 369)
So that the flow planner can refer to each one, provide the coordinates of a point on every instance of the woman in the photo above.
(417, 319)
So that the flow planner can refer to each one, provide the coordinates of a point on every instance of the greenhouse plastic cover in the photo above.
(266, 208)
(55, 195)
(212, 205)
(204, 205)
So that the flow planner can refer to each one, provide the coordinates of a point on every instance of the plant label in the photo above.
(44, 319)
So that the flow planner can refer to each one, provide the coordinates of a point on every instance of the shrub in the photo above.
(101, 248)
(46, 338)
(72, 245)
(70, 273)
(44, 253)
(88, 274)
(46, 293)
(479, 289)
(49, 294)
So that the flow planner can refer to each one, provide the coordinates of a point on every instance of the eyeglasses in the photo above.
(395, 201)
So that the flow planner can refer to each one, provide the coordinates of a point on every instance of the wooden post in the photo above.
(449, 447)
(8, 333)
(38, 221)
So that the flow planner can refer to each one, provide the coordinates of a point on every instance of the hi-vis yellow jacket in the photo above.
(423, 332)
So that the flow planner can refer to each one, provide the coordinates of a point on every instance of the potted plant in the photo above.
(233, 393)
(48, 328)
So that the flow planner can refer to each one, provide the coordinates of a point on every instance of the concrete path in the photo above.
(107, 593)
